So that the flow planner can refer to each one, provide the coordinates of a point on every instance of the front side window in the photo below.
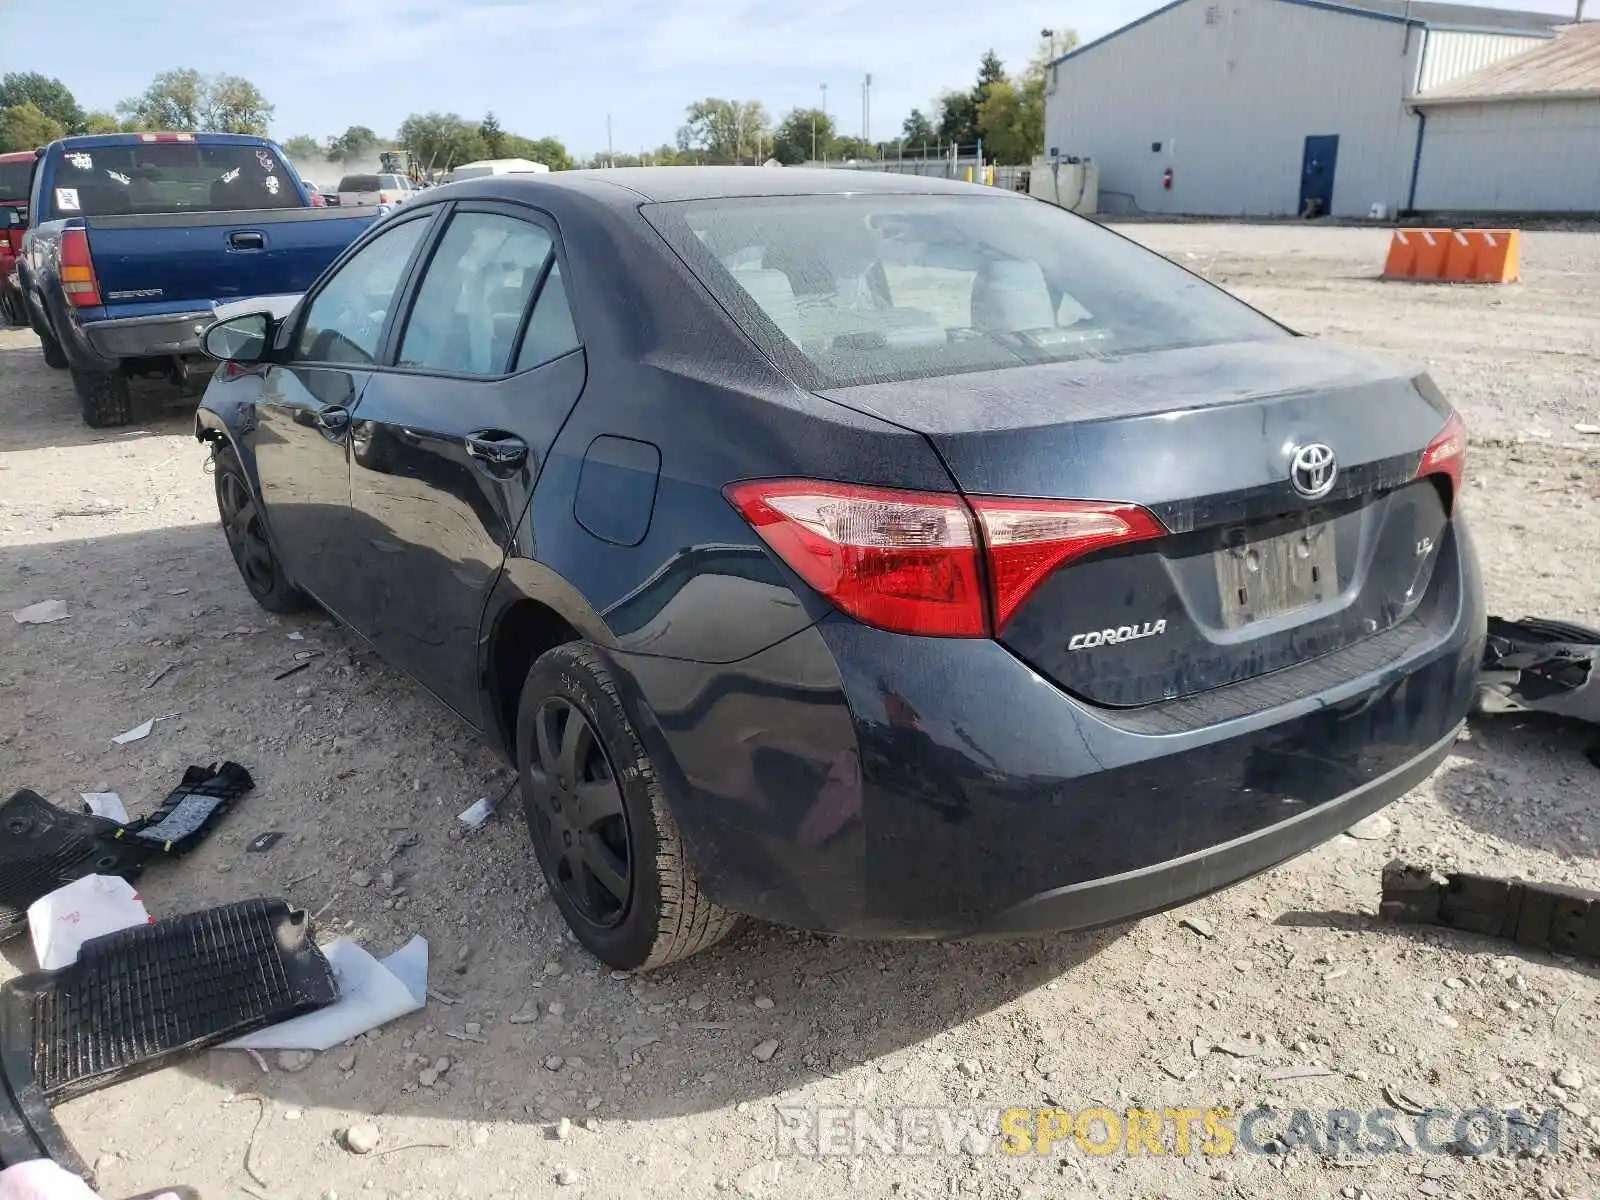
(344, 323)
(877, 287)
(168, 177)
(477, 286)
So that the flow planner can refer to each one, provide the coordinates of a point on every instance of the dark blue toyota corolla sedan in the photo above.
(869, 554)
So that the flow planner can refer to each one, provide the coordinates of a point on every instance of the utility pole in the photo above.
(824, 117)
(611, 158)
(866, 109)
(813, 137)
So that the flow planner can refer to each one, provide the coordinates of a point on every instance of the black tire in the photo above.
(105, 397)
(664, 917)
(54, 355)
(247, 539)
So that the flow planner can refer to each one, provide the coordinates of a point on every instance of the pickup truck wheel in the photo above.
(54, 355)
(105, 396)
(248, 542)
(605, 838)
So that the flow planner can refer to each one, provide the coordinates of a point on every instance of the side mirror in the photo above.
(239, 339)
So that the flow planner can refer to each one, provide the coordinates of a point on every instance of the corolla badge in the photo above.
(1115, 637)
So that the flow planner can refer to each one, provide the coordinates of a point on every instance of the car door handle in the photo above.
(499, 451)
(332, 420)
(247, 239)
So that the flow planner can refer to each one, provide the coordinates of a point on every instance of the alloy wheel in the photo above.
(247, 539)
(577, 815)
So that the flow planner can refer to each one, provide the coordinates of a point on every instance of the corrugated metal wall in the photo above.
(1512, 157)
(1229, 91)
(1450, 55)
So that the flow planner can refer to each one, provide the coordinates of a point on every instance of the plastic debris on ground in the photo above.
(140, 731)
(43, 613)
(371, 993)
(106, 804)
(86, 908)
(43, 848)
(1542, 666)
(480, 811)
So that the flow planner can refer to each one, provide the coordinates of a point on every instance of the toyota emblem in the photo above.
(1313, 470)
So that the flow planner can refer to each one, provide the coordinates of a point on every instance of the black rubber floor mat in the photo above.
(140, 997)
(43, 847)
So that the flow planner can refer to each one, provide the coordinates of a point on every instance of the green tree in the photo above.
(805, 135)
(439, 141)
(175, 100)
(958, 111)
(49, 96)
(24, 127)
(846, 148)
(494, 138)
(185, 101)
(355, 144)
(725, 131)
(1011, 115)
(303, 149)
(917, 129)
(547, 150)
(100, 122)
(235, 105)
(958, 118)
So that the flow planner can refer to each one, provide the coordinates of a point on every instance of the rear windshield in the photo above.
(360, 183)
(14, 179)
(168, 177)
(867, 288)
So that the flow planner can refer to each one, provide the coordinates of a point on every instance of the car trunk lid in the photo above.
(1252, 575)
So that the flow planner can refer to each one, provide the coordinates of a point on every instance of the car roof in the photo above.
(627, 186)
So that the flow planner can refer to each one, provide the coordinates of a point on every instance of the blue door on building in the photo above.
(1316, 175)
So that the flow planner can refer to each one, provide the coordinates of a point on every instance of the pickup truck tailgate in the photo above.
(218, 255)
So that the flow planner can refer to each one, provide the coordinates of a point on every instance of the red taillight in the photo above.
(1028, 540)
(317, 201)
(917, 562)
(77, 270)
(1447, 454)
(906, 561)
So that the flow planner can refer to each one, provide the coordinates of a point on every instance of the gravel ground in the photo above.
(670, 1085)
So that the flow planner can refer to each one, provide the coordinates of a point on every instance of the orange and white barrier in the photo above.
(1455, 255)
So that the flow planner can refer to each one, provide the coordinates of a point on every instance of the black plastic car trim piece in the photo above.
(43, 848)
(142, 996)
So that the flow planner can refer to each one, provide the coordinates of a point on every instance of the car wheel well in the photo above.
(527, 630)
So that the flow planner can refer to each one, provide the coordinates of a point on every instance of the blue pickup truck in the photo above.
(134, 238)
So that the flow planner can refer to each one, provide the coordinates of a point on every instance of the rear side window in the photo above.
(345, 320)
(477, 286)
(15, 179)
(873, 287)
(167, 177)
(359, 183)
(550, 331)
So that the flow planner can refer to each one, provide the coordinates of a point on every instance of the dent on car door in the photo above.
(304, 412)
(450, 437)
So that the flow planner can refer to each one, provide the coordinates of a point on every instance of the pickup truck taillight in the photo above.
(77, 270)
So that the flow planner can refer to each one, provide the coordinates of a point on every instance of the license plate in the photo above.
(1276, 575)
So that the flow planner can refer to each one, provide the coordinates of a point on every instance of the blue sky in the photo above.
(548, 67)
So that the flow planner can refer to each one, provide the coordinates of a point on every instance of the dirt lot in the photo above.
(656, 1075)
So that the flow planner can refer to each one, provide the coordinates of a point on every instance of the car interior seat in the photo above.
(1011, 296)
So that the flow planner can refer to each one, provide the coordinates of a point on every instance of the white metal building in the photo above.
(1259, 107)
(1520, 136)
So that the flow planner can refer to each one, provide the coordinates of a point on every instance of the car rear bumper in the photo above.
(1177, 881)
(871, 784)
(148, 337)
